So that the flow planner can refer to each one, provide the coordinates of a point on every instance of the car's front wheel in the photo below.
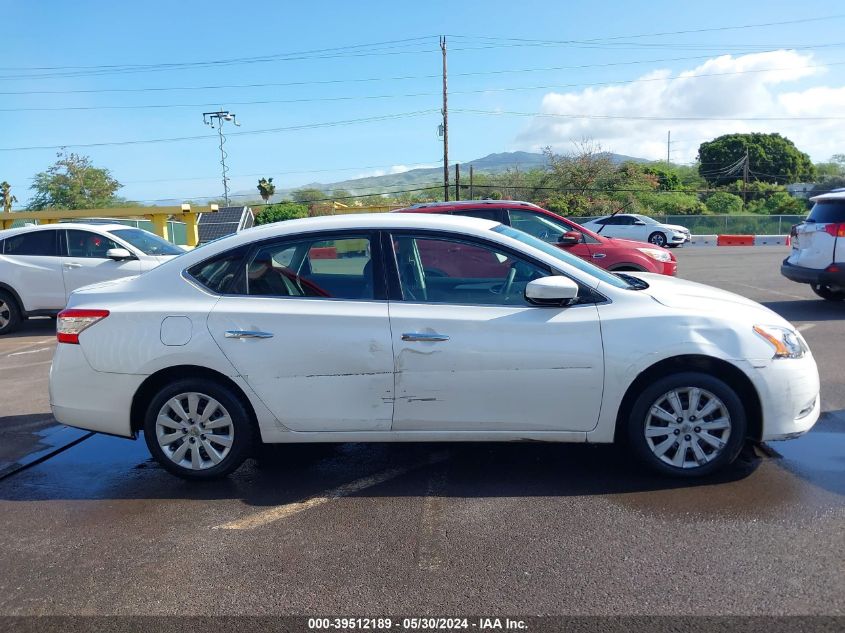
(198, 429)
(10, 315)
(687, 425)
(826, 292)
(657, 238)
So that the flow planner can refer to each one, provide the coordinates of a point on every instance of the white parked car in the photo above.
(41, 265)
(633, 226)
(818, 248)
(337, 329)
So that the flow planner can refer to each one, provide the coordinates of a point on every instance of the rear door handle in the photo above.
(247, 334)
(599, 255)
(425, 337)
(73, 265)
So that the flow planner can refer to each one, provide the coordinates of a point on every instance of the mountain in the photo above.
(427, 176)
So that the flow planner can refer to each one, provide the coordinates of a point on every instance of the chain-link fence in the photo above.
(726, 224)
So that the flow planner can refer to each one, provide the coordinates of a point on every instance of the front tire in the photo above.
(198, 429)
(689, 424)
(10, 313)
(657, 238)
(825, 292)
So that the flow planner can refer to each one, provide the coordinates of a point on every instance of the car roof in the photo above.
(458, 204)
(111, 226)
(835, 194)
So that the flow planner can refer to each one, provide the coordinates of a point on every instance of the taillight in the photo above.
(836, 230)
(793, 232)
(71, 323)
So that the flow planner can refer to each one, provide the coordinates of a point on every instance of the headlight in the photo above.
(656, 253)
(787, 343)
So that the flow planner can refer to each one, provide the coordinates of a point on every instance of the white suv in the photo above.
(818, 248)
(41, 265)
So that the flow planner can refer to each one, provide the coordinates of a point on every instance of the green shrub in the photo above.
(723, 203)
(280, 212)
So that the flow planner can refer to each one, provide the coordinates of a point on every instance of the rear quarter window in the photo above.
(223, 273)
(827, 212)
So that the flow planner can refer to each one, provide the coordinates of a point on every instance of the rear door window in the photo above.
(483, 214)
(41, 243)
(827, 212)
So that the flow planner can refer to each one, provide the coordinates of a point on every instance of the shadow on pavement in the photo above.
(802, 310)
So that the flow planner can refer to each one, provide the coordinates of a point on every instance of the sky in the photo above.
(327, 91)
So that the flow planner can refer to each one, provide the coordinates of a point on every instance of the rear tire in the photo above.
(825, 292)
(688, 425)
(198, 429)
(10, 313)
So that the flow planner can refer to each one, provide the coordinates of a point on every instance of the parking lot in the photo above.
(372, 530)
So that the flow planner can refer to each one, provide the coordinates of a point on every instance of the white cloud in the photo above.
(758, 92)
(394, 169)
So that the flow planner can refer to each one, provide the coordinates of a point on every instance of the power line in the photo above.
(643, 118)
(290, 128)
(376, 79)
(419, 94)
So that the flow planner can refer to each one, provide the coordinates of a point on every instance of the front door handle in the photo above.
(247, 334)
(73, 265)
(425, 337)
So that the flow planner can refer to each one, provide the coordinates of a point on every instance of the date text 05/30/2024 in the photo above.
(417, 624)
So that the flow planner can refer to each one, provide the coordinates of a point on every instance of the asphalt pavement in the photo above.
(368, 530)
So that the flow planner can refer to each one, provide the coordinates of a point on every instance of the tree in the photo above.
(834, 168)
(266, 188)
(722, 203)
(280, 212)
(8, 198)
(771, 158)
(73, 182)
(343, 195)
(308, 195)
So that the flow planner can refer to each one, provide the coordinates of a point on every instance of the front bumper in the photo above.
(820, 276)
(670, 268)
(789, 396)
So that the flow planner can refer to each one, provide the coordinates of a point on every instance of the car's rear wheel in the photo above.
(826, 292)
(10, 314)
(198, 429)
(657, 238)
(687, 425)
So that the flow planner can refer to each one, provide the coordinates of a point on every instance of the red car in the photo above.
(607, 252)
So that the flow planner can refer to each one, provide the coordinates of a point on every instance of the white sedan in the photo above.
(633, 226)
(410, 327)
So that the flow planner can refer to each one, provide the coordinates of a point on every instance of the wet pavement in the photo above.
(355, 529)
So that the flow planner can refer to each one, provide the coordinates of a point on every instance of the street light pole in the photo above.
(218, 118)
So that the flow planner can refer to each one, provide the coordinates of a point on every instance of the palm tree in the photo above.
(8, 198)
(266, 188)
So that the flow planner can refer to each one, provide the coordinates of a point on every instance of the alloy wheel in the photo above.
(5, 314)
(194, 431)
(687, 427)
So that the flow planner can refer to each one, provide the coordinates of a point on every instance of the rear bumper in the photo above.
(821, 276)
(88, 399)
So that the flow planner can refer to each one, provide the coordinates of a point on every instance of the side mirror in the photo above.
(118, 254)
(556, 291)
(570, 238)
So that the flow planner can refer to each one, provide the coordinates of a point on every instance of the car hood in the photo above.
(700, 298)
(677, 227)
(623, 243)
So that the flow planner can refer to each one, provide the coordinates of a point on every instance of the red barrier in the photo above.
(734, 240)
(323, 252)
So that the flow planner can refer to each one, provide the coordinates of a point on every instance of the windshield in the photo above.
(563, 256)
(147, 242)
(827, 211)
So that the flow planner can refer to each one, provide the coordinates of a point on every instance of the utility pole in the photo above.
(745, 178)
(471, 193)
(457, 181)
(218, 118)
(445, 112)
(669, 147)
